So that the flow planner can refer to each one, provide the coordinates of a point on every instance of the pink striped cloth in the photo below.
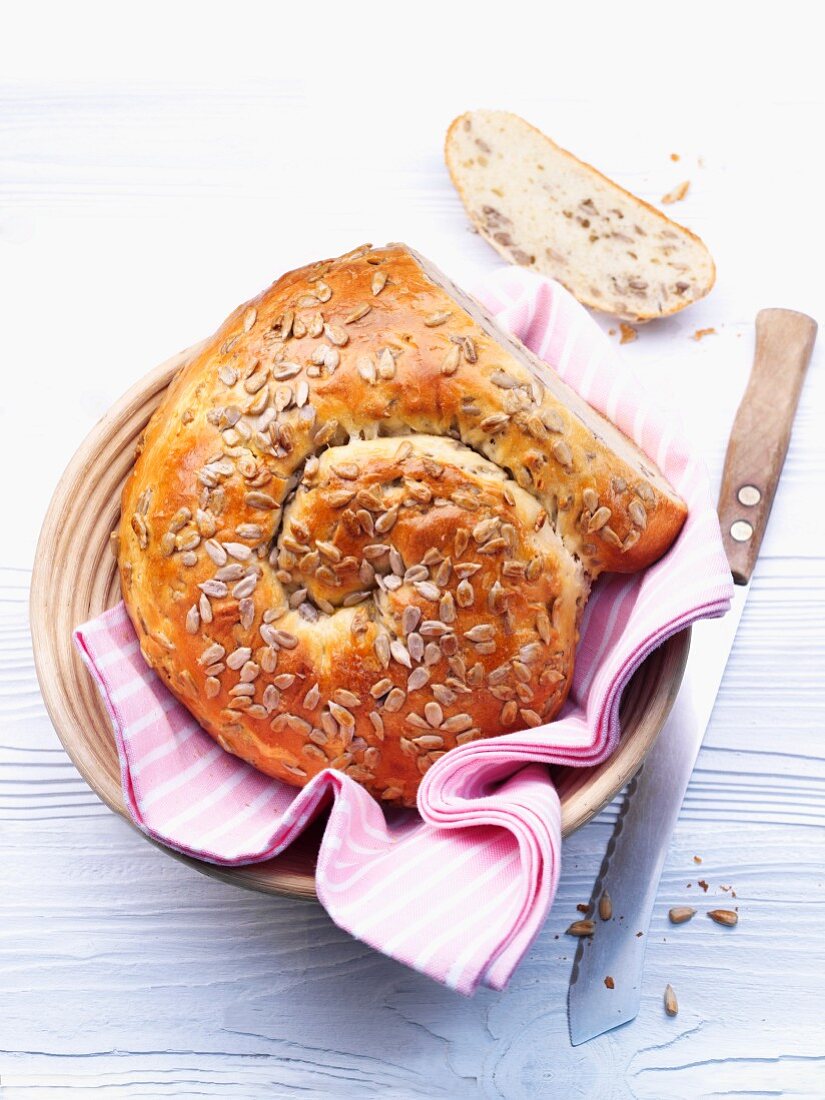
(460, 889)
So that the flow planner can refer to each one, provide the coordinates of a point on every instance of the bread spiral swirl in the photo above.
(363, 524)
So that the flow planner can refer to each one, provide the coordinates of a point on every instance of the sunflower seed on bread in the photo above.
(543, 208)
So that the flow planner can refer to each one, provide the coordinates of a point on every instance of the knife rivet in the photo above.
(749, 495)
(741, 530)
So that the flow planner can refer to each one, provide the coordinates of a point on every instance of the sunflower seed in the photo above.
(366, 368)
(231, 572)
(193, 620)
(415, 645)
(314, 753)
(481, 632)
(637, 513)
(680, 913)
(509, 713)
(434, 714)
(395, 700)
(312, 698)
(379, 281)
(349, 471)
(522, 672)
(245, 587)
(381, 687)
(428, 741)
(216, 589)
(386, 521)
(494, 423)
(271, 697)
(464, 594)
(457, 724)
(186, 540)
(530, 717)
(346, 698)
(599, 518)
(446, 608)
(250, 672)
(329, 550)
(386, 365)
(238, 657)
(212, 687)
(336, 335)
(410, 618)
(581, 928)
(590, 499)
(466, 501)
(671, 1004)
(357, 313)
(503, 380)
(400, 653)
(724, 916)
(427, 590)
(285, 371)
(417, 679)
(485, 529)
(468, 735)
(451, 360)
(433, 320)
(381, 645)
(261, 501)
(433, 628)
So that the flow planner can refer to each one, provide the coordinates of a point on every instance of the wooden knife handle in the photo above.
(761, 433)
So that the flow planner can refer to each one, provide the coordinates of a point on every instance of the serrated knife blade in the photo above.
(632, 865)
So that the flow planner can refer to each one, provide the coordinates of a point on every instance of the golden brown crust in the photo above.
(360, 529)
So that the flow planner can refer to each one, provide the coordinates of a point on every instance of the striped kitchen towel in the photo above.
(460, 889)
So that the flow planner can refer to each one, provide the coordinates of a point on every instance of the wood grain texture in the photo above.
(761, 433)
(151, 180)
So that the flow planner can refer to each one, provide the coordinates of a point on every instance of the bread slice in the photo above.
(543, 208)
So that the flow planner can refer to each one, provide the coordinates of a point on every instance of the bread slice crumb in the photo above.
(629, 333)
(701, 333)
(544, 209)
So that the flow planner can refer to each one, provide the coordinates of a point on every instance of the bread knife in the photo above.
(632, 865)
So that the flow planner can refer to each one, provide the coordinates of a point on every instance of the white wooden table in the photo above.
(158, 168)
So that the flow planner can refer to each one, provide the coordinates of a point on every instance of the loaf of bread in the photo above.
(541, 207)
(363, 523)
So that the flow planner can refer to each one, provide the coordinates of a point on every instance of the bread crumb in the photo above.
(628, 332)
(703, 884)
(611, 332)
(583, 907)
(701, 333)
(609, 982)
(697, 859)
(674, 156)
(677, 194)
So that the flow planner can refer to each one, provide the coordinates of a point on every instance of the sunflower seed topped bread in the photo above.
(541, 207)
(363, 523)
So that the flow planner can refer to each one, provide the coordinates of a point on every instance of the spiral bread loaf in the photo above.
(363, 524)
